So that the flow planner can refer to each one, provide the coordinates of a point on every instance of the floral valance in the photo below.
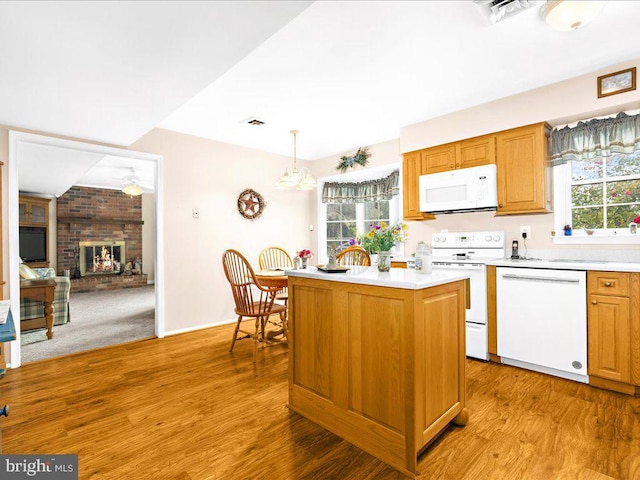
(359, 192)
(596, 138)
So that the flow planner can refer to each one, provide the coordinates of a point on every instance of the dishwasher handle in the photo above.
(511, 276)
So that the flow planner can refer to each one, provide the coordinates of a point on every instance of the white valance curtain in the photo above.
(359, 192)
(596, 138)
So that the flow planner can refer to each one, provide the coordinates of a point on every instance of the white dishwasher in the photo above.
(542, 320)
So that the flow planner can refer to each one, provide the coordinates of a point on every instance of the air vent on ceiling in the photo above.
(498, 10)
(255, 121)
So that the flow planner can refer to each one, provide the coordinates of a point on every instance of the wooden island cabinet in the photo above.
(379, 359)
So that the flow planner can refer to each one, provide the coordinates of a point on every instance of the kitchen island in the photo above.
(379, 358)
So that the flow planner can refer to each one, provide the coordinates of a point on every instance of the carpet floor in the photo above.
(98, 319)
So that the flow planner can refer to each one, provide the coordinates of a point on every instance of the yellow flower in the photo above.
(405, 227)
(371, 233)
(383, 225)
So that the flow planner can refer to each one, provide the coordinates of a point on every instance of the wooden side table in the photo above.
(44, 291)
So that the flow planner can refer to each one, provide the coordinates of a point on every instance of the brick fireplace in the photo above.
(96, 216)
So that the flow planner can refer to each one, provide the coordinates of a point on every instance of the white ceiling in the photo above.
(344, 73)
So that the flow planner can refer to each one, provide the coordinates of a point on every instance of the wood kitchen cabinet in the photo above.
(33, 211)
(411, 171)
(614, 331)
(464, 154)
(522, 158)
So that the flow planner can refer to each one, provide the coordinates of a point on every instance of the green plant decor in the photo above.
(361, 157)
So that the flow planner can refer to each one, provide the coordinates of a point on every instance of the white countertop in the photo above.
(404, 278)
(560, 264)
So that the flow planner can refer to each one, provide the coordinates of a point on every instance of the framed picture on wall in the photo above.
(617, 82)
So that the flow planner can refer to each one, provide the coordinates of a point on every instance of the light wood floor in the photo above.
(184, 408)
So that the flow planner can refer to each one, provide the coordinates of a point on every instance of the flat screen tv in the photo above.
(33, 244)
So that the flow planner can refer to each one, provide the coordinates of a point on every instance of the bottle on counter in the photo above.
(424, 262)
(633, 228)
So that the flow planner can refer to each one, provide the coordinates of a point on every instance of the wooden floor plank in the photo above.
(184, 408)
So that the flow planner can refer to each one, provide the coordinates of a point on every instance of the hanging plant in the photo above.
(361, 157)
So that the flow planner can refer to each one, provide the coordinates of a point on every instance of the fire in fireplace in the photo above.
(101, 257)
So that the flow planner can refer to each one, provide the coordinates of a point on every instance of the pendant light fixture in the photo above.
(294, 178)
(131, 186)
(567, 15)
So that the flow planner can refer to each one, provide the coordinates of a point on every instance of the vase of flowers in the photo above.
(567, 230)
(381, 239)
(304, 255)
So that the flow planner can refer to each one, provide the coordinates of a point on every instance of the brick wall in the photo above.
(99, 204)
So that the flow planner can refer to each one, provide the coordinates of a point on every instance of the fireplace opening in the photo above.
(100, 258)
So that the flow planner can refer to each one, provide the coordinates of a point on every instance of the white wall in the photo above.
(148, 235)
(210, 175)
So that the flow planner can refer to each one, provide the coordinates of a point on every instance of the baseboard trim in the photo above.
(199, 327)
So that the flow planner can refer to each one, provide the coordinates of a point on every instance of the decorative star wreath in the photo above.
(251, 204)
(361, 157)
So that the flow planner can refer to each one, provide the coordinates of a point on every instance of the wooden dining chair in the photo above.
(276, 257)
(252, 300)
(354, 255)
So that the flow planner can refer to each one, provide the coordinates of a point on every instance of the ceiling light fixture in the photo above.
(567, 15)
(292, 177)
(131, 186)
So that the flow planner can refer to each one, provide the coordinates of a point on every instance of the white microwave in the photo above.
(465, 190)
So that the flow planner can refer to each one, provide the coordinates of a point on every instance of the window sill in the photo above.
(595, 239)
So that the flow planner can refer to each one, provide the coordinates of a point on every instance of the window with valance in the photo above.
(597, 163)
(360, 192)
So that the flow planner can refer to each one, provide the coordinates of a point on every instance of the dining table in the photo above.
(273, 278)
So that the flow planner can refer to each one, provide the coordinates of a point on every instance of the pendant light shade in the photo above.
(565, 15)
(294, 178)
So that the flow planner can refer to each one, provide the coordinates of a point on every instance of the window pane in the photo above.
(621, 216)
(586, 170)
(623, 164)
(584, 195)
(348, 230)
(384, 210)
(587, 217)
(333, 211)
(333, 230)
(349, 211)
(626, 191)
(333, 243)
(377, 210)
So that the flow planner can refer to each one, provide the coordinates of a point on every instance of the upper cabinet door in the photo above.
(22, 212)
(522, 160)
(439, 159)
(33, 211)
(39, 214)
(411, 171)
(476, 152)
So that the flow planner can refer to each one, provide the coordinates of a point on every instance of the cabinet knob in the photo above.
(499, 205)
(457, 164)
(451, 165)
(594, 302)
(607, 284)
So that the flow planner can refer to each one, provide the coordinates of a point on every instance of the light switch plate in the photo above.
(196, 213)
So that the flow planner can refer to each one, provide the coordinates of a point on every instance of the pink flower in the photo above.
(627, 192)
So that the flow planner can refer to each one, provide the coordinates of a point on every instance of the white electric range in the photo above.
(471, 251)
